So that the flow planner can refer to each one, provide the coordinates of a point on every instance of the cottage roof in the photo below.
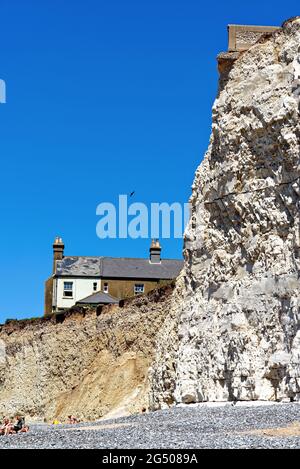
(112, 267)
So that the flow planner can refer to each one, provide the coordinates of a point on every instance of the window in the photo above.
(68, 289)
(139, 288)
(95, 286)
(105, 288)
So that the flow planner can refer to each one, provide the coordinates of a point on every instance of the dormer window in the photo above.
(105, 288)
(95, 286)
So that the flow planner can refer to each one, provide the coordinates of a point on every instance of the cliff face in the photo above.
(83, 364)
(237, 323)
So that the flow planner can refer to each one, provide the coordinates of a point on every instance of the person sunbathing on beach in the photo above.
(6, 426)
(19, 426)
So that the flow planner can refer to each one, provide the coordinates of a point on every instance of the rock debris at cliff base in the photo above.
(275, 426)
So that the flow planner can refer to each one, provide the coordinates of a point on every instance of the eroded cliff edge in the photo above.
(238, 322)
(82, 363)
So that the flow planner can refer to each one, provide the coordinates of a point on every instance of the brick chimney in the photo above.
(155, 252)
(58, 251)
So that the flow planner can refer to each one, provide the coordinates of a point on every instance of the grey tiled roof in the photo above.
(99, 298)
(112, 267)
(140, 268)
(79, 266)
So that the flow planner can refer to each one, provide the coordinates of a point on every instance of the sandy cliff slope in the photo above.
(81, 363)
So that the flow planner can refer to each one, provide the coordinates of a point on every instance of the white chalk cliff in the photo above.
(234, 329)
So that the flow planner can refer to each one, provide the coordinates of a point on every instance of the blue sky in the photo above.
(103, 97)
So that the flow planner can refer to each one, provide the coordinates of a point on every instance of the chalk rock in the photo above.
(233, 333)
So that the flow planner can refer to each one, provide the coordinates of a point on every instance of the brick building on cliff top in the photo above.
(104, 280)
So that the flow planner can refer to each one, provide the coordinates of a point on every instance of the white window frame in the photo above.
(95, 287)
(71, 284)
(105, 287)
(139, 288)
